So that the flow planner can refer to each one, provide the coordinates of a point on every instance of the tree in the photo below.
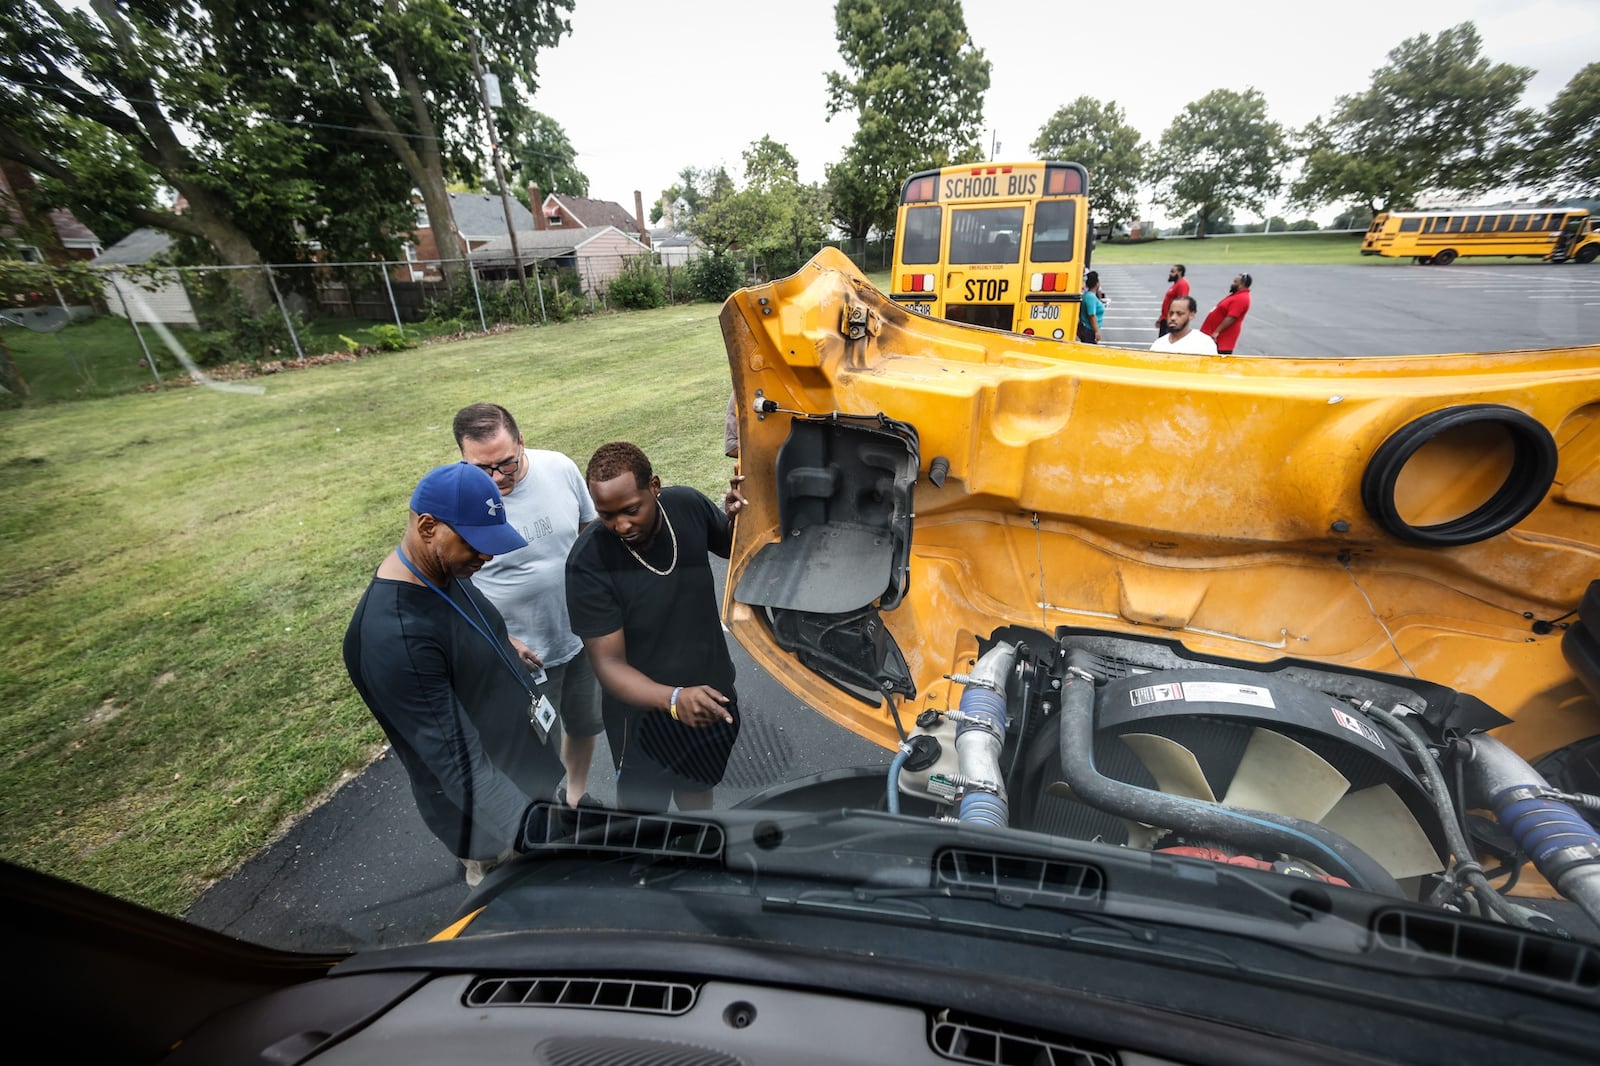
(108, 185)
(1218, 223)
(406, 71)
(1438, 117)
(123, 94)
(774, 216)
(916, 87)
(1566, 157)
(689, 195)
(1356, 217)
(545, 156)
(1098, 136)
(770, 165)
(862, 194)
(1221, 152)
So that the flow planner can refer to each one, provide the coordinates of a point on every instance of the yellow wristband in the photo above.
(672, 706)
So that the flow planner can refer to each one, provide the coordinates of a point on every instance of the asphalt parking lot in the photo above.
(1352, 311)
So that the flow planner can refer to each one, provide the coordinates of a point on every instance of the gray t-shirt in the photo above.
(547, 507)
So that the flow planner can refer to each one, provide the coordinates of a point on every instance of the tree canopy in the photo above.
(407, 72)
(1097, 135)
(103, 103)
(916, 87)
(1221, 152)
(689, 195)
(773, 216)
(1566, 158)
(1438, 117)
(545, 156)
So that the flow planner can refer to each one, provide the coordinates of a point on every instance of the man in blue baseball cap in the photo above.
(431, 657)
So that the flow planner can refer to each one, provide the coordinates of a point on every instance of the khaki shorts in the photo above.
(575, 691)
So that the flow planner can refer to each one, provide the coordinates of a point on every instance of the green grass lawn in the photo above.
(103, 356)
(1309, 248)
(180, 565)
(99, 357)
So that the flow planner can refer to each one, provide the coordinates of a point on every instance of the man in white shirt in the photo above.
(1181, 336)
(547, 501)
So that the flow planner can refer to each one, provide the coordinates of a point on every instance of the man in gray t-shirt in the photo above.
(548, 502)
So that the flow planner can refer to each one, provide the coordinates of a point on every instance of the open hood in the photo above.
(915, 485)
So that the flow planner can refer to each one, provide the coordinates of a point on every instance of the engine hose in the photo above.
(893, 790)
(1264, 831)
(980, 737)
(1466, 860)
(1562, 845)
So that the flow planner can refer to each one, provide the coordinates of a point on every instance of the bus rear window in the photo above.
(985, 235)
(1054, 222)
(920, 242)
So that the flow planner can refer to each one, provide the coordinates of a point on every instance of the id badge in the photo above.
(542, 713)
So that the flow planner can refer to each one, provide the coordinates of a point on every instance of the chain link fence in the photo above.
(158, 318)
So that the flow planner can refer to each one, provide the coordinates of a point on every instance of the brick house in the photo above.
(562, 211)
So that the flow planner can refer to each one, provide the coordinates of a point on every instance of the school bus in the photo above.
(1001, 245)
(1556, 234)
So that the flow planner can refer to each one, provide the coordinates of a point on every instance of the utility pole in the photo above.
(499, 174)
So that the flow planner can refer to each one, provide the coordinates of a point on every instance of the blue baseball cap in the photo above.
(467, 500)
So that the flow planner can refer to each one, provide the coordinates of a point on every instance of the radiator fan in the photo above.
(1244, 740)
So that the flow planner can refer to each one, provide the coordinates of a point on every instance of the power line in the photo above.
(372, 131)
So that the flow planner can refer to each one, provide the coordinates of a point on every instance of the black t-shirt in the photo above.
(671, 624)
(453, 709)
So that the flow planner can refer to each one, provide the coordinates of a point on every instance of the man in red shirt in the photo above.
(1180, 287)
(1223, 323)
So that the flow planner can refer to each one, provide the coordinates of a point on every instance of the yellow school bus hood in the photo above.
(914, 484)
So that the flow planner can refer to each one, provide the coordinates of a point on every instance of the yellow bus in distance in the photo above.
(1556, 234)
(1001, 245)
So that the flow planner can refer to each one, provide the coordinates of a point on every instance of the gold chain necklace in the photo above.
(670, 532)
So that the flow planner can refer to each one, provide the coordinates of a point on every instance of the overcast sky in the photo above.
(645, 88)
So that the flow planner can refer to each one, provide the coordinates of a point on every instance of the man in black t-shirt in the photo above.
(640, 594)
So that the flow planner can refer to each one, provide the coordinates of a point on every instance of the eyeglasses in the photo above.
(506, 467)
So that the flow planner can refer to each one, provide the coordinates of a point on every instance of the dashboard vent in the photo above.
(1495, 947)
(963, 1040)
(987, 871)
(597, 829)
(564, 1051)
(583, 993)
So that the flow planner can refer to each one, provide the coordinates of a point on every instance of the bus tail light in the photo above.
(1048, 282)
(1065, 179)
(921, 189)
(916, 282)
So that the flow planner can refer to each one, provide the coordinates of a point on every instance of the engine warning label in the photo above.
(1202, 692)
(1356, 725)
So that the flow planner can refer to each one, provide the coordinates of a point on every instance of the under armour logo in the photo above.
(494, 505)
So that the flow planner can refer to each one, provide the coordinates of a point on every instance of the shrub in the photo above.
(715, 277)
(639, 287)
(389, 338)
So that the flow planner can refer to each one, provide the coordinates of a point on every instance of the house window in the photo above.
(554, 220)
(411, 258)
